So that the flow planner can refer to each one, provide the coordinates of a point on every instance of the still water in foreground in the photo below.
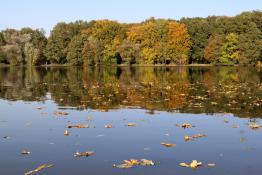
(38, 105)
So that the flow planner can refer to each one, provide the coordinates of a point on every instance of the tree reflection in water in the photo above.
(236, 90)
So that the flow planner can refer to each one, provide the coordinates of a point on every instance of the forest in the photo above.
(217, 40)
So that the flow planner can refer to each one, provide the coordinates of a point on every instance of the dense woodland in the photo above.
(216, 40)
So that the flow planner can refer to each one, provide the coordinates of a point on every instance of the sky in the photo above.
(46, 13)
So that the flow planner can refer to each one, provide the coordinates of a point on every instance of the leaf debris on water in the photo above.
(84, 154)
(194, 164)
(131, 124)
(134, 162)
(57, 113)
(185, 125)
(66, 133)
(41, 167)
(78, 126)
(108, 126)
(168, 144)
(197, 136)
(254, 126)
(25, 152)
(211, 164)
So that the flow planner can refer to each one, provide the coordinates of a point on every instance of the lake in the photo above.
(122, 113)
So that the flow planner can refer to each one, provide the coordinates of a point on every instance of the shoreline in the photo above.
(137, 65)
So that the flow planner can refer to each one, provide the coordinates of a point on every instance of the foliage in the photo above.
(106, 36)
(129, 52)
(59, 39)
(161, 40)
(229, 51)
(34, 48)
(212, 51)
(215, 39)
(74, 53)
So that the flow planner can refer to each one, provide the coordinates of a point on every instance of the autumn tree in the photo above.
(106, 36)
(161, 41)
(212, 51)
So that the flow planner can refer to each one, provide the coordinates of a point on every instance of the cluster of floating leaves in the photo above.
(134, 162)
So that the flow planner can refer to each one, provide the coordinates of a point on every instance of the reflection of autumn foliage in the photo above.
(192, 90)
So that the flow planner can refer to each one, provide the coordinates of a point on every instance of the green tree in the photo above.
(75, 47)
(230, 50)
(59, 39)
(34, 47)
(199, 30)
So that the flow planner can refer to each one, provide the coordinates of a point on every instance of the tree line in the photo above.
(215, 40)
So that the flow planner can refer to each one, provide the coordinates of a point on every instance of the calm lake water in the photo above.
(220, 102)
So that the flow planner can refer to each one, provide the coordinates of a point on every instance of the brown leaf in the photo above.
(131, 124)
(84, 154)
(168, 144)
(109, 126)
(41, 167)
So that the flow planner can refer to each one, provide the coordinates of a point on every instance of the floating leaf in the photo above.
(77, 126)
(184, 164)
(185, 125)
(41, 167)
(168, 144)
(133, 162)
(131, 124)
(40, 108)
(108, 126)
(145, 162)
(123, 166)
(187, 138)
(194, 164)
(66, 133)
(84, 154)
(60, 113)
(25, 152)
(211, 164)
(254, 126)
(197, 136)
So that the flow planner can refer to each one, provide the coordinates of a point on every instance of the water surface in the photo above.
(220, 102)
